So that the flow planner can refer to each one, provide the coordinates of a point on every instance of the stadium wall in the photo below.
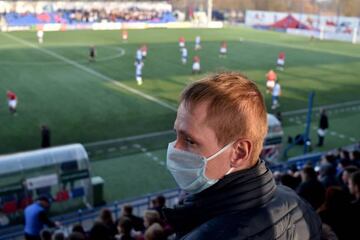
(338, 28)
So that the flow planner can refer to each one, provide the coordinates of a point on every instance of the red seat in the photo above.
(9, 207)
(62, 196)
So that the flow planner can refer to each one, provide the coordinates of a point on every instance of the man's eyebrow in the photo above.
(183, 132)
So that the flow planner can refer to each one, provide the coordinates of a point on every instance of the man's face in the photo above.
(351, 187)
(194, 135)
(345, 177)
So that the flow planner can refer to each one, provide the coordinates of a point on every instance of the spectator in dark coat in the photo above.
(100, 231)
(137, 222)
(124, 228)
(221, 125)
(106, 218)
(311, 189)
(336, 213)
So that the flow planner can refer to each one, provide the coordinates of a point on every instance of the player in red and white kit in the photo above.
(124, 35)
(144, 51)
(280, 63)
(181, 42)
(196, 65)
(12, 101)
(271, 78)
(223, 49)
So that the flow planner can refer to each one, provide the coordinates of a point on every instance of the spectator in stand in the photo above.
(124, 228)
(45, 235)
(355, 158)
(345, 177)
(58, 236)
(155, 232)
(289, 181)
(336, 213)
(221, 124)
(354, 187)
(107, 220)
(100, 231)
(150, 217)
(311, 189)
(137, 222)
(78, 228)
(327, 175)
(76, 236)
(159, 204)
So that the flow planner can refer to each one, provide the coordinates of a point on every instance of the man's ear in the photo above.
(241, 156)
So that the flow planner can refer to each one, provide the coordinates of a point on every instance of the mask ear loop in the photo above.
(219, 152)
(214, 156)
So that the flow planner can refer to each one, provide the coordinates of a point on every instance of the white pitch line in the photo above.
(92, 72)
(328, 107)
(151, 156)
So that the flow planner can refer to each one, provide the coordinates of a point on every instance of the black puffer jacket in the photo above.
(245, 205)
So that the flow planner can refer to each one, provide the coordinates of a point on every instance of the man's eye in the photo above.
(189, 141)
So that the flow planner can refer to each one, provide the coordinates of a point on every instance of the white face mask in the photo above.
(188, 169)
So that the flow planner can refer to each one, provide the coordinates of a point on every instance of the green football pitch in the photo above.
(90, 102)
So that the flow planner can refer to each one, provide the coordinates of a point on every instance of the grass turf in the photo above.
(80, 106)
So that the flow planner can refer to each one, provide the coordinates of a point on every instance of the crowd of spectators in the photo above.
(332, 189)
(152, 226)
(74, 16)
(98, 15)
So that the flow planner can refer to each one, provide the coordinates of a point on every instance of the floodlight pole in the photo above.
(209, 10)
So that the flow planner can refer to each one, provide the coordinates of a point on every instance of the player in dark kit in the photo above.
(92, 54)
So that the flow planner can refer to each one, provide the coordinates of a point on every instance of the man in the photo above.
(276, 93)
(184, 55)
(12, 101)
(223, 50)
(138, 56)
(221, 125)
(271, 78)
(40, 36)
(144, 51)
(280, 63)
(36, 218)
(323, 126)
(138, 72)
(196, 65)
(45, 136)
(137, 222)
(181, 42)
(197, 43)
(311, 188)
(92, 53)
(124, 35)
